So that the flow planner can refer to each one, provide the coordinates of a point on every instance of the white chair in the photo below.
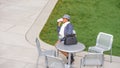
(55, 62)
(92, 59)
(43, 53)
(103, 43)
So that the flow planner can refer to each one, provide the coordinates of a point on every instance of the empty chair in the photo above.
(103, 43)
(43, 53)
(55, 62)
(93, 59)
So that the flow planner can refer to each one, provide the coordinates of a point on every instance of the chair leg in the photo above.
(37, 62)
(111, 56)
(102, 62)
(99, 66)
(81, 63)
(46, 62)
(102, 66)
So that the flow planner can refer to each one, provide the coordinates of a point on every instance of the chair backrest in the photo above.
(38, 46)
(104, 41)
(54, 62)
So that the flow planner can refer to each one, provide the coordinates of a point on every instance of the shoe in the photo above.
(72, 59)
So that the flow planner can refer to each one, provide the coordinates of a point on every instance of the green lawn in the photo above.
(89, 17)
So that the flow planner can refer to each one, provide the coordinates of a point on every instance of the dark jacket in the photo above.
(68, 30)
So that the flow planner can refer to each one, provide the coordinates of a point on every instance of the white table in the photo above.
(70, 49)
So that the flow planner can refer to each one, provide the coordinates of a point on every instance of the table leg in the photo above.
(57, 53)
(69, 60)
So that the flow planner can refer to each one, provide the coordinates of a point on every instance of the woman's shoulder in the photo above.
(69, 25)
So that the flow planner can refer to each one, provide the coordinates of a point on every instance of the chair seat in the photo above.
(92, 62)
(56, 65)
(49, 53)
(54, 62)
(96, 49)
(92, 59)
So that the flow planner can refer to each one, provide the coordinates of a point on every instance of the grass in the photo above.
(89, 17)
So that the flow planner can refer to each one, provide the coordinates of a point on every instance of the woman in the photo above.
(64, 28)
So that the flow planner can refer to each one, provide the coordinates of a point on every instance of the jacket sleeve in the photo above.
(58, 29)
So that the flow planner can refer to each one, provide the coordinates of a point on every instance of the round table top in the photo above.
(70, 48)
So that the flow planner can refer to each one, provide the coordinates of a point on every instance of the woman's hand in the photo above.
(60, 21)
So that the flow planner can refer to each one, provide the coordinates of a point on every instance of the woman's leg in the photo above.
(66, 53)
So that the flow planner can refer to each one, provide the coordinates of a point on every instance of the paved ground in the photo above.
(16, 19)
(20, 23)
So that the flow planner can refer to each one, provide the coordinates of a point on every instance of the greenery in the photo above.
(89, 17)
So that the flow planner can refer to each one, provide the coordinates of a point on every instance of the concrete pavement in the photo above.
(20, 23)
(16, 19)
